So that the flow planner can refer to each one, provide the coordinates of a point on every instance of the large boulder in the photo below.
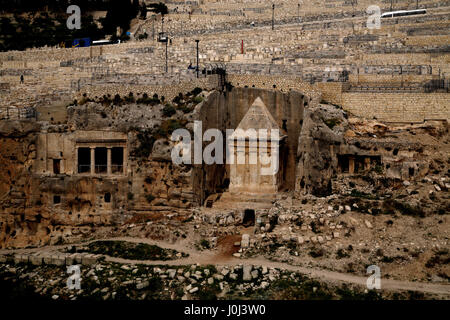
(323, 129)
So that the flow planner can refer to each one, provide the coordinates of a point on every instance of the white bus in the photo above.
(103, 42)
(403, 13)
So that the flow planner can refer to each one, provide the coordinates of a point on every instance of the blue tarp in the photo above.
(82, 42)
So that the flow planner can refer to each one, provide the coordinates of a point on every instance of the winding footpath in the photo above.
(205, 258)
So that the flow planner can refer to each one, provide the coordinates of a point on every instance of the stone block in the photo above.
(47, 258)
(171, 273)
(21, 258)
(142, 285)
(246, 276)
(36, 259)
(193, 290)
(17, 258)
(58, 260)
(245, 242)
(71, 259)
(89, 259)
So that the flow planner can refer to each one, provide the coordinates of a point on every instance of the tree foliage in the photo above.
(38, 28)
(120, 13)
(22, 32)
(158, 8)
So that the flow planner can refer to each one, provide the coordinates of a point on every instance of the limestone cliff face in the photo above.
(47, 197)
(225, 110)
(17, 153)
(333, 145)
(320, 137)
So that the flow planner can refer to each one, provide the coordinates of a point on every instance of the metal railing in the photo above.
(102, 168)
(116, 168)
(84, 168)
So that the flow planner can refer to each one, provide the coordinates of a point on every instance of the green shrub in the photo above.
(146, 141)
(359, 194)
(341, 254)
(169, 126)
(208, 292)
(197, 99)
(404, 208)
(347, 294)
(331, 123)
(130, 98)
(132, 251)
(178, 98)
(196, 91)
(302, 289)
(378, 169)
(145, 99)
(205, 244)
(117, 99)
(168, 110)
(143, 36)
(150, 198)
(440, 257)
(316, 252)
(185, 109)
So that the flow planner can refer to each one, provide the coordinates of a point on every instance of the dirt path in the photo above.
(218, 258)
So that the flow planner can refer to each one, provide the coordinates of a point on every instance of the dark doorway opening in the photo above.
(411, 172)
(107, 197)
(101, 160)
(56, 166)
(376, 160)
(359, 164)
(117, 160)
(343, 163)
(285, 125)
(56, 199)
(249, 218)
(84, 160)
(226, 183)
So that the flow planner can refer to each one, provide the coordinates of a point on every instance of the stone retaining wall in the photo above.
(397, 107)
(49, 258)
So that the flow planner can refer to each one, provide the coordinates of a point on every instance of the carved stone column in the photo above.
(92, 160)
(108, 163)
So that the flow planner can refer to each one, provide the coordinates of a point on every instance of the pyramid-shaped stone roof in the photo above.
(257, 117)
